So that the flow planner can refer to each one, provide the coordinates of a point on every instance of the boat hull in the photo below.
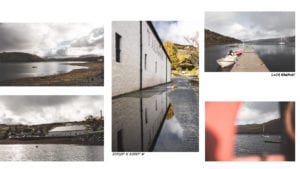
(226, 61)
(238, 52)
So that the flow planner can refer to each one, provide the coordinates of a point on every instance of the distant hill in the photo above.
(90, 58)
(19, 57)
(290, 39)
(180, 46)
(17, 128)
(187, 56)
(270, 127)
(213, 38)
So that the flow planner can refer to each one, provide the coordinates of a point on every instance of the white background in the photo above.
(242, 86)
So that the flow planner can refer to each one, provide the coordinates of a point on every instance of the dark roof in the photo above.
(157, 37)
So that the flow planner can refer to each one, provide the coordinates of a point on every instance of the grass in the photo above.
(94, 132)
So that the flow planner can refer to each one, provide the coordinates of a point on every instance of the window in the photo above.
(145, 61)
(148, 33)
(118, 47)
(120, 140)
(146, 115)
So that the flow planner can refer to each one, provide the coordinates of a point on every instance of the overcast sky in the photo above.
(52, 39)
(251, 25)
(48, 109)
(175, 31)
(258, 112)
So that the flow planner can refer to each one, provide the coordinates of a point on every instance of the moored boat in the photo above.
(238, 52)
(226, 61)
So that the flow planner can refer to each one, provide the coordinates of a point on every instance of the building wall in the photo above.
(154, 111)
(65, 133)
(126, 128)
(126, 73)
(139, 120)
(154, 67)
(168, 71)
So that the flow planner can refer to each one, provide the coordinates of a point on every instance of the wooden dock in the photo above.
(249, 61)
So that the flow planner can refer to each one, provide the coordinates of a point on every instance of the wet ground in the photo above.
(164, 118)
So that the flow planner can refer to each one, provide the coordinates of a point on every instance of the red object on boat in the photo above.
(238, 52)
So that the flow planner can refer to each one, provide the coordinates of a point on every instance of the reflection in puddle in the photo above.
(156, 119)
(137, 119)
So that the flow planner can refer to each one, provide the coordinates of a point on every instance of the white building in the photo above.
(139, 59)
(73, 130)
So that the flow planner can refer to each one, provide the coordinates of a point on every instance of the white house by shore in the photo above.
(73, 130)
(139, 59)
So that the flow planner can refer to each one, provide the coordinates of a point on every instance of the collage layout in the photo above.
(155, 72)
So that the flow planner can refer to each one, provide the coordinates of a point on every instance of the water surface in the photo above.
(157, 119)
(11, 71)
(50, 152)
(252, 144)
(278, 58)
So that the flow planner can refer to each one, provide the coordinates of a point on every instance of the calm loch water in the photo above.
(251, 144)
(278, 58)
(11, 71)
(50, 152)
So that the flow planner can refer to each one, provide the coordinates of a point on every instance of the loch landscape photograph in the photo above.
(250, 131)
(250, 42)
(51, 54)
(51, 128)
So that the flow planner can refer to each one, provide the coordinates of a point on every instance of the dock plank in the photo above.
(249, 61)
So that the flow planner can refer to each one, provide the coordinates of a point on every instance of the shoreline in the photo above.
(92, 76)
(91, 139)
(46, 141)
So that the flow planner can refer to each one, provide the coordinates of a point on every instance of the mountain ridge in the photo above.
(270, 127)
(28, 57)
(214, 38)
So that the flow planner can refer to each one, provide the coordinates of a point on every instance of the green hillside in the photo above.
(19, 57)
(213, 38)
(270, 127)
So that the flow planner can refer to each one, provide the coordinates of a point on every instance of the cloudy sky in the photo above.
(52, 39)
(175, 31)
(47, 109)
(258, 112)
(251, 25)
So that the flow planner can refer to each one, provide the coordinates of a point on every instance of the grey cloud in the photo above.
(61, 52)
(50, 39)
(257, 24)
(47, 109)
(12, 37)
(262, 107)
(20, 104)
(97, 32)
(88, 41)
(8, 120)
(258, 112)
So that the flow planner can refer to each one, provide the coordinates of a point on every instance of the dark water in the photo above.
(34, 69)
(51, 152)
(250, 144)
(157, 119)
(278, 58)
